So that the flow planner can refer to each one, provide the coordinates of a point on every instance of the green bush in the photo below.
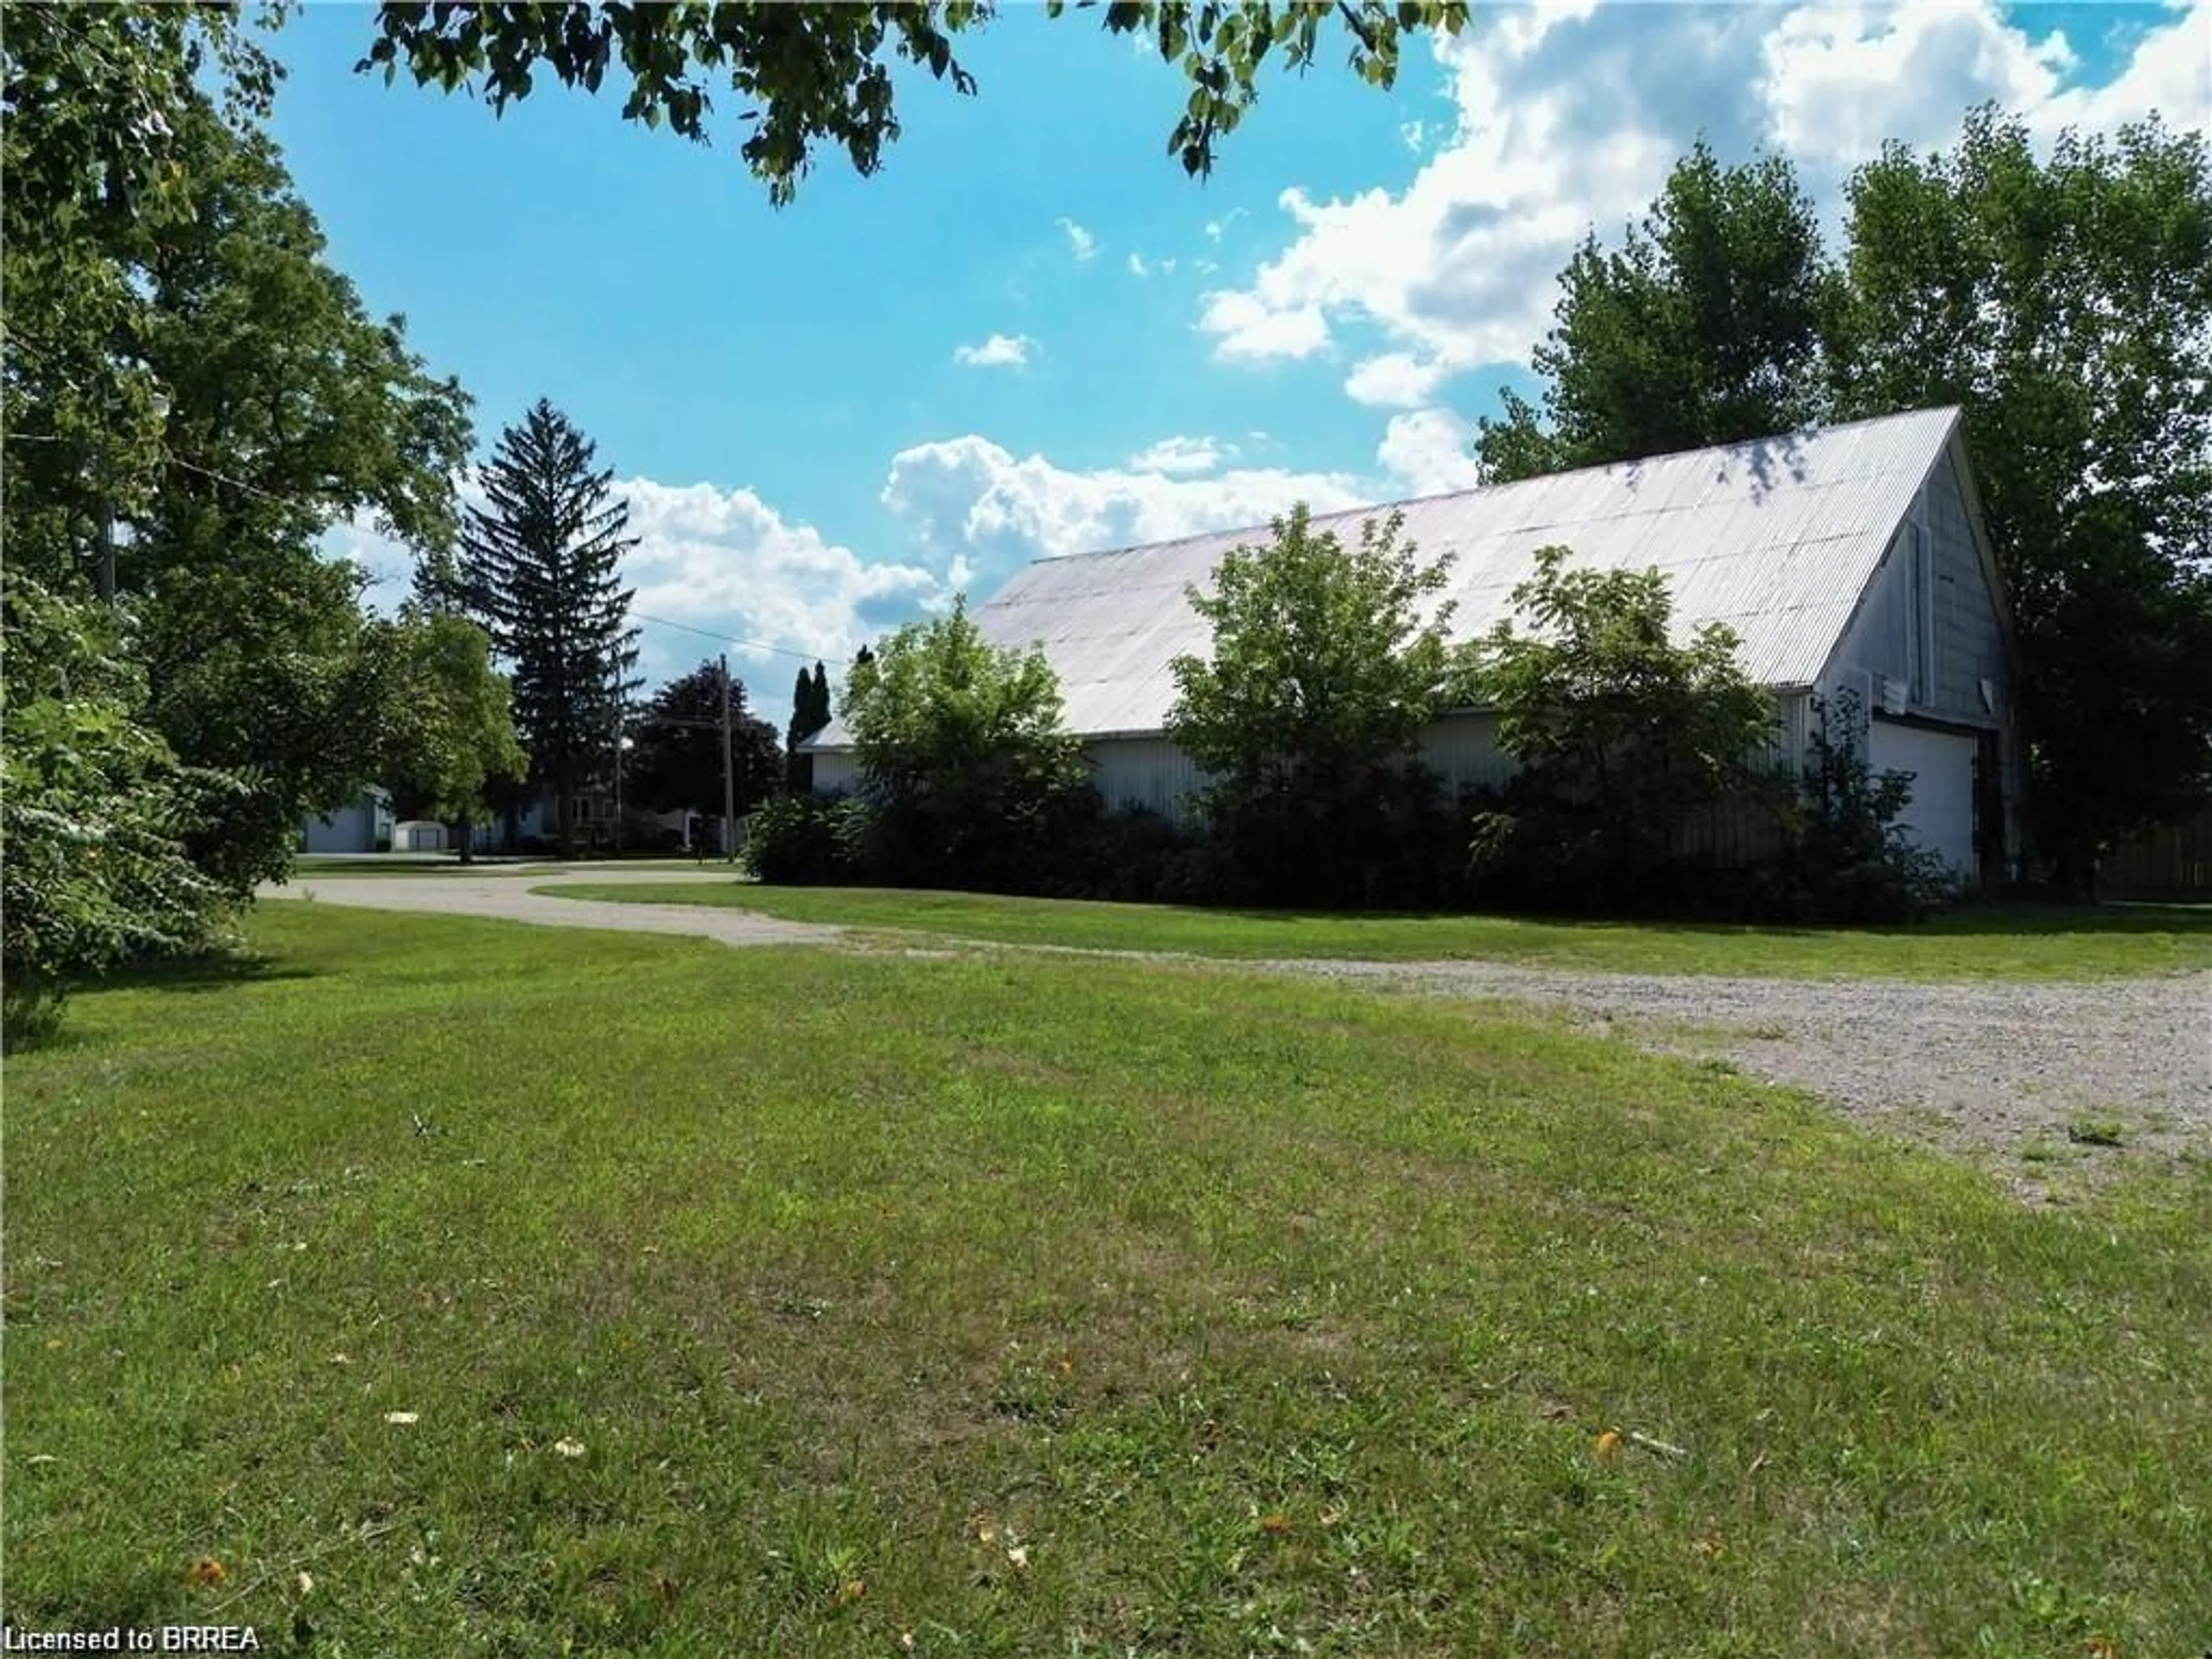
(1848, 859)
(799, 840)
(95, 815)
(1326, 662)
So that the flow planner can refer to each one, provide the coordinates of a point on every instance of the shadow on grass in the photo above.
(40, 1021)
(209, 972)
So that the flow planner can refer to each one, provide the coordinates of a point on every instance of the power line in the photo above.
(727, 639)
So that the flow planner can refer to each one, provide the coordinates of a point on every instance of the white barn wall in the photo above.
(356, 827)
(1143, 771)
(1929, 625)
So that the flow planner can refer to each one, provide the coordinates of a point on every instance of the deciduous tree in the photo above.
(961, 746)
(1620, 732)
(194, 395)
(1705, 326)
(448, 733)
(825, 76)
(2066, 303)
(676, 764)
(1328, 661)
(94, 809)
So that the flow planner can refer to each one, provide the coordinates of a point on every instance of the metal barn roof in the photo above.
(1777, 538)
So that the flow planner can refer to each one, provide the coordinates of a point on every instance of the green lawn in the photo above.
(2020, 941)
(806, 1301)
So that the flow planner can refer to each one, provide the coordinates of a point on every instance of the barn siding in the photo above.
(1935, 631)
(1464, 749)
(1969, 638)
(1943, 648)
(1149, 772)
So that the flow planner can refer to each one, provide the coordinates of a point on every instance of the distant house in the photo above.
(363, 825)
(366, 825)
(1853, 558)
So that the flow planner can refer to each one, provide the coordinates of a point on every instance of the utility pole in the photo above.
(729, 774)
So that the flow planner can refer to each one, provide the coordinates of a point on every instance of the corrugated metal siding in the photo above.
(1891, 635)
(1969, 640)
(1464, 749)
(1777, 538)
(834, 772)
(1148, 772)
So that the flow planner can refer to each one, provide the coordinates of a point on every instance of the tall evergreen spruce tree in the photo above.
(541, 567)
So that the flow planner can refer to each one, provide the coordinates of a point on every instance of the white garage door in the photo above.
(1941, 814)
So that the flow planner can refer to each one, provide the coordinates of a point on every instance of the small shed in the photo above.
(418, 835)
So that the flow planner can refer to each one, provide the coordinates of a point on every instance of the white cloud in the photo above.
(1396, 380)
(1080, 242)
(999, 351)
(1137, 267)
(1216, 228)
(1569, 117)
(1841, 81)
(726, 562)
(1414, 134)
(974, 506)
(1253, 329)
(1182, 455)
(1431, 449)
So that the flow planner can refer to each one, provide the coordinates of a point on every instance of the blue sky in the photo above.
(1030, 334)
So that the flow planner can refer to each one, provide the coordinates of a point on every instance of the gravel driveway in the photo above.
(509, 898)
(1987, 1066)
(1990, 1066)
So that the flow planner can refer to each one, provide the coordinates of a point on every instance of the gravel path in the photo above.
(1994, 1066)
(509, 898)
(1985, 1064)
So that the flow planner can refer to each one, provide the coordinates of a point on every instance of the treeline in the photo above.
(1307, 713)
(2063, 300)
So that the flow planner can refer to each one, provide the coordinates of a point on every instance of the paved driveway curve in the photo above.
(509, 898)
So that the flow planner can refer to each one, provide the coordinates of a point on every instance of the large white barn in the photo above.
(1853, 558)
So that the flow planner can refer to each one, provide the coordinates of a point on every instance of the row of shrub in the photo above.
(1831, 852)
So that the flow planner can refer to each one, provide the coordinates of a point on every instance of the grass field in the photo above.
(805, 1301)
(2023, 942)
